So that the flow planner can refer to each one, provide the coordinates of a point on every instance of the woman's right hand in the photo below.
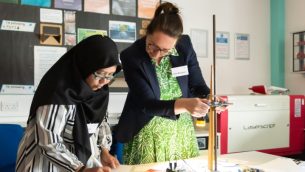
(97, 169)
(195, 106)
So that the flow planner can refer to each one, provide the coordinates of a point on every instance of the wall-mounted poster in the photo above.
(97, 6)
(70, 39)
(51, 34)
(70, 28)
(16, 89)
(124, 7)
(298, 52)
(40, 3)
(143, 28)
(222, 44)
(68, 4)
(121, 31)
(44, 58)
(83, 33)
(242, 46)
(17, 26)
(147, 8)
(69, 21)
(199, 39)
(50, 15)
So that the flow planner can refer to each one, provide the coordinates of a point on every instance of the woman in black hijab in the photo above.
(67, 128)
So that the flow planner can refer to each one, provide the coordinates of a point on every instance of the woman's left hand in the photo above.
(108, 160)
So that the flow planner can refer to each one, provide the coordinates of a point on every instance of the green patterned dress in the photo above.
(163, 139)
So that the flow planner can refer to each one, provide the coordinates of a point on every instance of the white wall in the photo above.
(15, 108)
(294, 22)
(233, 16)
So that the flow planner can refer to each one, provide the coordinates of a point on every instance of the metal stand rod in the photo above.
(214, 78)
(212, 145)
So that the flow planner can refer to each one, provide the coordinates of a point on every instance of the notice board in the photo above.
(46, 29)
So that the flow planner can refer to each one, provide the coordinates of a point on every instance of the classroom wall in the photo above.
(294, 22)
(233, 16)
(233, 76)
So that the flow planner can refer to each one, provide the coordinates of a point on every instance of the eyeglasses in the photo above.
(154, 48)
(98, 76)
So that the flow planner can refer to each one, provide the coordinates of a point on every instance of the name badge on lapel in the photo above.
(180, 71)
(92, 127)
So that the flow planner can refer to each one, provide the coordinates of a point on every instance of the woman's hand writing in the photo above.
(108, 160)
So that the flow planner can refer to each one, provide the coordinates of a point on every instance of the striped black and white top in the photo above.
(48, 145)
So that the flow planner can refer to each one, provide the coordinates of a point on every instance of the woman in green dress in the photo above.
(166, 89)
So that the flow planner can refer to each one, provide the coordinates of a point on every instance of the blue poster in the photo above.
(40, 3)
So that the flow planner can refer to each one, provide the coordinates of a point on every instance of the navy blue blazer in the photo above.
(143, 99)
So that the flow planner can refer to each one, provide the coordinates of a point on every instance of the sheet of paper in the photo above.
(197, 165)
(242, 46)
(200, 42)
(51, 15)
(44, 58)
(282, 165)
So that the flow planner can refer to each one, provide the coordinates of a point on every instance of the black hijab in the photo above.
(64, 84)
